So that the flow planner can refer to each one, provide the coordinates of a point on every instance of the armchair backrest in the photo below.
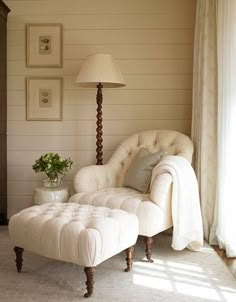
(171, 142)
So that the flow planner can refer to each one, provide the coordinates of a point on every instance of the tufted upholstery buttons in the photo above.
(153, 211)
(128, 200)
(81, 234)
(153, 140)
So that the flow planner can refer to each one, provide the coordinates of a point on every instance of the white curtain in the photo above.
(204, 114)
(214, 127)
(224, 228)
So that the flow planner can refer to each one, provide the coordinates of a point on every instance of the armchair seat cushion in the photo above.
(151, 217)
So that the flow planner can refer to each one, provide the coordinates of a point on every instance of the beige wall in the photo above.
(152, 41)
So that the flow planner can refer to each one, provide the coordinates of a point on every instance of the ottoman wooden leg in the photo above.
(19, 260)
(148, 242)
(129, 258)
(89, 271)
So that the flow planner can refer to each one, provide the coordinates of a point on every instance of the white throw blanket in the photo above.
(186, 212)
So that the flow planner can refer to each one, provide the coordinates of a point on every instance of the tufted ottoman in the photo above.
(80, 234)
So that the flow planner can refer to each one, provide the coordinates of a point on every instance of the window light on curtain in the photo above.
(214, 119)
(225, 218)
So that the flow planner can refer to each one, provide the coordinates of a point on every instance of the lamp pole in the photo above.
(99, 151)
(100, 71)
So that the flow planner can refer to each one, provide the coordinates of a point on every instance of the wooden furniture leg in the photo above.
(148, 242)
(19, 260)
(89, 271)
(129, 258)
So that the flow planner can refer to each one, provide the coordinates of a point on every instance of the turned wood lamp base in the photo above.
(99, 145)
(100, 70)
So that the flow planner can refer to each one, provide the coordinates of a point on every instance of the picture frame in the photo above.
(44, 98)
(44, 45)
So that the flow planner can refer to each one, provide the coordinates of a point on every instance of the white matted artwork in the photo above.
(44, 45)
(44, 98)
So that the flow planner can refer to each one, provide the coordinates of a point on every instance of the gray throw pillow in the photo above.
(139, 174)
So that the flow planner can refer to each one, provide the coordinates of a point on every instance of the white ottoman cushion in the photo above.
(80, 234)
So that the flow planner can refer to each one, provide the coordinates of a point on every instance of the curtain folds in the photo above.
(224, 226)
(204, 113)
(214, 119)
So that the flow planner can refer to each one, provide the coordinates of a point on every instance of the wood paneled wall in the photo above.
(152, 41)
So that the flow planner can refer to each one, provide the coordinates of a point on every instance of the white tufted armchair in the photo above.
(102, 185)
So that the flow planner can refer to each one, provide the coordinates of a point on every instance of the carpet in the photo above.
(174, 276)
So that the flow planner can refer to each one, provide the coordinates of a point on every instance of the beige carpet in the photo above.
(174, 276)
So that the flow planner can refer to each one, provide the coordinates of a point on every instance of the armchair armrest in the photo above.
(93, 178)
(161, 187)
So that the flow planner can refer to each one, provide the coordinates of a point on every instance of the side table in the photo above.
(47, 195)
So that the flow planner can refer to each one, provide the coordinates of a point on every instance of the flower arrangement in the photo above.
(54, 166)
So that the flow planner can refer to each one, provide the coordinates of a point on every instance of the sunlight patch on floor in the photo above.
(152, 282)
(230, 289)
(182, 266)
(187, 279)
(208, 250)
(192, 281)
(188, 273)
(197, 291)
(151, 272)
(192, 290)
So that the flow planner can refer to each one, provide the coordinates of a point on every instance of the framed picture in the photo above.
(44, 98)
(44, 45)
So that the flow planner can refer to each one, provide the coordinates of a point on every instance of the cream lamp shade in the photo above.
(100, 68)
(100, 71)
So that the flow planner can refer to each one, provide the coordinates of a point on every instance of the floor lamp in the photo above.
(100, 71)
